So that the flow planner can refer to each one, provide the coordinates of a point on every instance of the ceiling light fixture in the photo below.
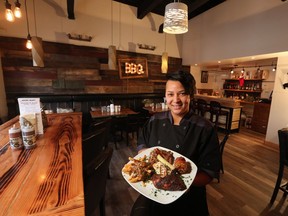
(8, 12)
(28, 43)
(176, 18)
(17, 10)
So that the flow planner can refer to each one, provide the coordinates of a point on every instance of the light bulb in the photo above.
(29, 43)
(17, 12)
(9, 15)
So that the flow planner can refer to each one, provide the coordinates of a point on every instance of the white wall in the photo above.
(93, 18)
(243, 28)
(279, 108)
(237, 29)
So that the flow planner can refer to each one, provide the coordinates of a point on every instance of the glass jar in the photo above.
(29, 137)
(15, 138)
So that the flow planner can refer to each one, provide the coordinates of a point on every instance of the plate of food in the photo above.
(160, 174)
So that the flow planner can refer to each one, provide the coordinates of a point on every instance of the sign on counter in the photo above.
(30, 111)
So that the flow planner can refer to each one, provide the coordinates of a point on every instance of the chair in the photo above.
(133, 124)
(202, 107)
(117, 125)
(95, 179)
(221, 146)
(283, 151)
(103, 123)
(193, 105)
(93, 143)
(215, 112)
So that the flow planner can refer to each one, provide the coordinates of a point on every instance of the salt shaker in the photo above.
(29, 137)
(112, 108)
(15, 138)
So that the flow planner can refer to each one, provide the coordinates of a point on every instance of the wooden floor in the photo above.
(245, 188)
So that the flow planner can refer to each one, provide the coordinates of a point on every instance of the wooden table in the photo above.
(46, 180)
(122, 113)
(153, 110)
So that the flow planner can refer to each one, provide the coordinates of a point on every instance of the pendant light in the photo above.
(176, 18)
(17, 10)
(28, 43)
(8, 12)
(37, 48)
(112, 65)
(164, 62)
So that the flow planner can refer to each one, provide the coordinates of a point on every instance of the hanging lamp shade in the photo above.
(164, 63)
(112, 57)
(37, 52)
(176, 18)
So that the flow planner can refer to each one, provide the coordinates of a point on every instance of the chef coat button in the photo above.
(164, 124)
(184, 128)
(177, 146)
(159, 142)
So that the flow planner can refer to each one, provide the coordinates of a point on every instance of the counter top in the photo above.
(225, 102)
(46, 180)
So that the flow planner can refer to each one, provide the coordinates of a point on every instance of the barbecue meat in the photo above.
(167, 155)
(182, 165)
(172, 182)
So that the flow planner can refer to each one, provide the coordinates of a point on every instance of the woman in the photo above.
(180, 130)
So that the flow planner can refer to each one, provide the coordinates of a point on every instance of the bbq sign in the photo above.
(132, 68)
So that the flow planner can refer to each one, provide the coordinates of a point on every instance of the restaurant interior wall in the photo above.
(117, 25)
(236, 29)
(278, 118)
(3, 106)
(74, 70)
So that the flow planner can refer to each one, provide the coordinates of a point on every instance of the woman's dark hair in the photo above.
(186, 79)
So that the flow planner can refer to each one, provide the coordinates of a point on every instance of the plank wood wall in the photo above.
(78, 63)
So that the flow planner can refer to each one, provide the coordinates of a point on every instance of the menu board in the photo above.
(30, 111)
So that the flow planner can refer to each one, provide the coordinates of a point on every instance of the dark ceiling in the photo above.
(195, 7)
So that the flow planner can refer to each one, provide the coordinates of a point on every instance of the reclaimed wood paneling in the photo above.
(79, 63)
(70, 62)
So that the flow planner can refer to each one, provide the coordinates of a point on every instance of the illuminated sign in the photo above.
(133, 68)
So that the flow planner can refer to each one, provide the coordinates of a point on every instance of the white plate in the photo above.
(158, 195)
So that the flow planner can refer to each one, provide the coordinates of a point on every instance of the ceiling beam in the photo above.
(70, 9)
(146, 7)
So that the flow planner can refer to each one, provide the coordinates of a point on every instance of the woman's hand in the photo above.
(202, 179)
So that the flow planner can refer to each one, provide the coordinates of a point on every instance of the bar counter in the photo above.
(232, 106)
(46, 180)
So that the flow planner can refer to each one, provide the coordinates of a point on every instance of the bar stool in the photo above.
(216, 111)
(193, 105)
(283, 150)
(202, 107)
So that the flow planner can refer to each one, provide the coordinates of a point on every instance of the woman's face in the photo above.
(177, 100)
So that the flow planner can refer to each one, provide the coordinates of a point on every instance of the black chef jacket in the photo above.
(195, 138)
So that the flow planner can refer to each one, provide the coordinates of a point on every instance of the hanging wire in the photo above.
(112, 22)
(34, 11)
(27, 21)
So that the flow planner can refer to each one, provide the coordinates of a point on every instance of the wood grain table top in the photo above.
(46, 180)
(123, 112)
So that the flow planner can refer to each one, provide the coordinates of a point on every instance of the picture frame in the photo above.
(204, 76)
(133, 68)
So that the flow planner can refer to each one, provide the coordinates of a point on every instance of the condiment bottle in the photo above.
(15, 138)
(29, 137)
